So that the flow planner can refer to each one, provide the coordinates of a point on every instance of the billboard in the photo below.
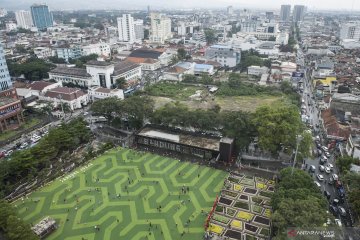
(297, 74)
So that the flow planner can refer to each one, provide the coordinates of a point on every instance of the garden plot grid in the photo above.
(243, 210)
(126, 194)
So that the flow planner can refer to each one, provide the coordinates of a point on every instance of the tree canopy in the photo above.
(296, 203)
(344, 163)
(34, 69)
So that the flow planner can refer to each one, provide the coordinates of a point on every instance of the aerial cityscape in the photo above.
(179, 120)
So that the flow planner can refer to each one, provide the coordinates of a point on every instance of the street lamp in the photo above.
(298, 140)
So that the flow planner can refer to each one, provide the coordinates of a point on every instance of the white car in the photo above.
(325, 149)
(35, 138)
(335, 177)
(329, 165)
(24, 145)
(327, 154)
(327, 170)
(321, 168)
(317, 184)
(338, 222)
(320, 177)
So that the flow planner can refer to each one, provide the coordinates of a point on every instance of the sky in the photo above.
(182, 4)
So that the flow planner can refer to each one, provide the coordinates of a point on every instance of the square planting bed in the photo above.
(257, 209)
(219, 209)
(265, 194)
(231, 212)
(250, 237)
(225, 201)
(242, 205)
(251, 228)
(248, 182)
(265, 232)
(221, 219)
(232, 179)
(250, 190)
(262, 220)
(233, 234)
(244, 197)
(270, 188)
(230, 194)
(256, 200)
(237, 174)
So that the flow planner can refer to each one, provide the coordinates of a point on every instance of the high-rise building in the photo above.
(230, 10)
(3, 12)
(285, 13)
(126, 28)
(41, 16)
(5, 81)
(350, 30)
(139, 29)
(148, 9)
(269, 15)
(299, 12)
(23, 19)
(160, 27)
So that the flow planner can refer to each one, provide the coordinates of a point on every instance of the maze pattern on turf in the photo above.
(121, 192)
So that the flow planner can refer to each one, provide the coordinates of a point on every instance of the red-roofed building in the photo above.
(75, 98)
(333, 129)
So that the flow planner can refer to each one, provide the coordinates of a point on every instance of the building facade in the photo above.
(285, 12)
(299, 13)
(23, 19)
(126, 28)
(223, 54)
(350, 30)
(41, 16)
(139, 29)
(160, 28)
(5, 80)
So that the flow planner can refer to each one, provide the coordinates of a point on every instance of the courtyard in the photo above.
(127, 194)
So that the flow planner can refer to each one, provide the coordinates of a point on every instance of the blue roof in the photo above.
(220, 46)
(203, 66)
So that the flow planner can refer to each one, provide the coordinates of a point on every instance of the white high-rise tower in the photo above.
(126, 28)
(23, 19)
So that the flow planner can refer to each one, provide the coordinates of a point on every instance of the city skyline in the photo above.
(185, 4)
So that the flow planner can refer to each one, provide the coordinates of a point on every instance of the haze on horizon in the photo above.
(183, 4)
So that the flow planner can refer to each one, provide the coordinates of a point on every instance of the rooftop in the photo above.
(221, 46)
(67, 94)
(98, 63)
(123, 67)
(145, 53)
(185, 138)
(5, 101)
(79, 72)
(40, 85)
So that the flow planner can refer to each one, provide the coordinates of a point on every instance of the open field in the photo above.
(128, 195)
(234, 103)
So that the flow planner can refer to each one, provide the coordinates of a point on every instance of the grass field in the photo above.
(129, 195)
(245, 103)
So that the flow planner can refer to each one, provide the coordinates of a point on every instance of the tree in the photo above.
(277, 126)
(174, 60)
(181, 54)
(55, 59)
(34, 69)
(189, 78)
(146, 34)
(121, 83)
(344, 163)
(106, 107)
(18, 230)
(210, 35)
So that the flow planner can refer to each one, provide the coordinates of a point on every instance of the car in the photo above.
(329, 165)
(327, 194)
(312, 168)
(8, 153)
(320, 177)
(24, 145)
(35, 138)
(331, 181)
(338, 222)
(325, 149)
(335, 177)
(335, 201)
(317, 184)
(333, 209)
(327, 154)
(327, 170)
(319, 152)
(342, 211)
(321, 168)
(323, 160)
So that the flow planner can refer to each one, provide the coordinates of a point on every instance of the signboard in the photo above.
(297, 75)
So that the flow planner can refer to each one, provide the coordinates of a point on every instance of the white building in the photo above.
(160, 28)
(139, 29)
(23, 19)
(10, 26)
(101, 93)
(126, 28)
(3, 12)
(230, 10)
(257, 70)
(226, 55)
(101, 49)
(75, 98)
(43, 52)
(350, 30)
(298, 13)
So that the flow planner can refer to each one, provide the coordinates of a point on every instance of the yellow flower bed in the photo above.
(267, 213)
(245, 215)
(260, 185)
(271, 182)
(238, 187)
(236, 224)
(215, 228)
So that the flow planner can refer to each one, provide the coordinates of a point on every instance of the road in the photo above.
(313, 114)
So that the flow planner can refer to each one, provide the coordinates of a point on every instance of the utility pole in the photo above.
(62, 107)
(298, 140)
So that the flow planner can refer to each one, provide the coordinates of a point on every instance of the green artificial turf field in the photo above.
(128, 195)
